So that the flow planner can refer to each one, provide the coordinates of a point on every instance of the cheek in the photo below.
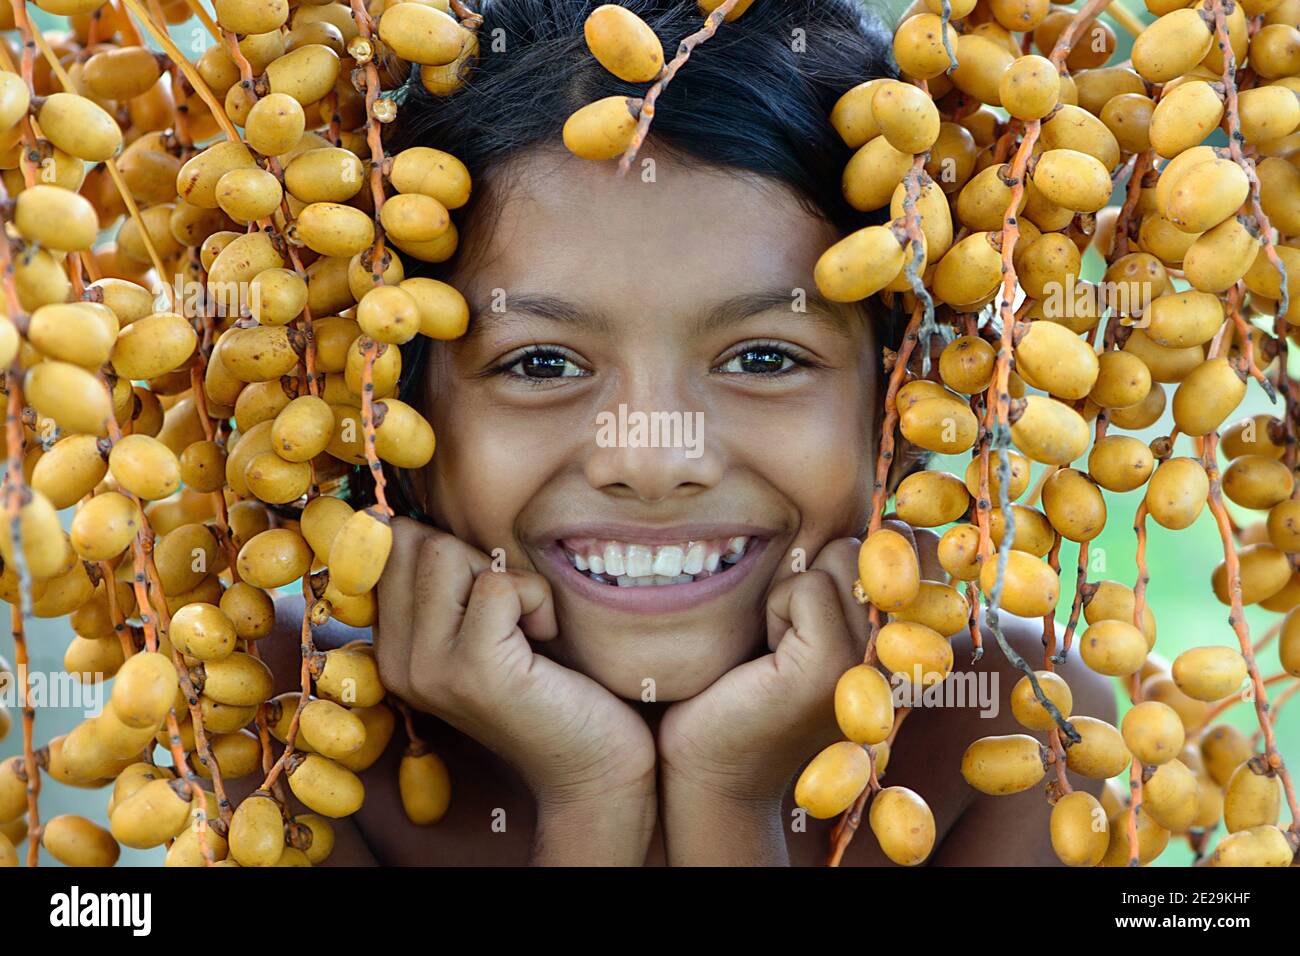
(824, 462)
(481, 478)
(830, 483)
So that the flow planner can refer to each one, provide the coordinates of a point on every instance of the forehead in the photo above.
(667, 234)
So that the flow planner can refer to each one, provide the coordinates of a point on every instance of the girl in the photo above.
(625, 653)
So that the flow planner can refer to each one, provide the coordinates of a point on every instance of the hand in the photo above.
(452, 639)
(746, 735)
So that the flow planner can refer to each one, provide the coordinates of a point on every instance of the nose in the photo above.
(651, 445)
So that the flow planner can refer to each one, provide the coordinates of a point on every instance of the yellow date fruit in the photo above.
(1004, 765)
(903, 825)
(1079, 829)
(424, 786)
(833, 780)
(889, 570)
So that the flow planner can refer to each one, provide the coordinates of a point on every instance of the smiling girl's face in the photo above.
(691, 295)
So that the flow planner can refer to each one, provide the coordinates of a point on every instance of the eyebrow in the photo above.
(737, 309)
(538, 306)
(725, 314)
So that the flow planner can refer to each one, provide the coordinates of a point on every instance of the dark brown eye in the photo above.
(758, 360)
(542, 363)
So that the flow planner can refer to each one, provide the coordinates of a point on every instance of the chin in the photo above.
(666, 665)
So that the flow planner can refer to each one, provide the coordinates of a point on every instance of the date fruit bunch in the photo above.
(203, 306)
(999, 173)
(1011, 142)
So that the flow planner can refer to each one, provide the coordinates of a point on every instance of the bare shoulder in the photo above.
(973, 829)
(1093, 694)
(282, 648)
(1014, 830)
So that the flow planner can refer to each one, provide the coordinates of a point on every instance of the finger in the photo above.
(429, 599)
(927, 548)
(894, 523)
(445, 568)
(797, 604)
(537, 603)
(778, 611)
(395, 582)
(498, 603)
(818, 642)
(839, 559)
(390, 634)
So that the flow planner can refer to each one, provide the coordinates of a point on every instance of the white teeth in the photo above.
(694, 562)
(668, 561)
(641, 565)
(640, 561)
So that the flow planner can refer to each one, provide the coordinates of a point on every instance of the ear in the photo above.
(908, 459)
(411, 486)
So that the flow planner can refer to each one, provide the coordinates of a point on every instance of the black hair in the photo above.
(757, 97)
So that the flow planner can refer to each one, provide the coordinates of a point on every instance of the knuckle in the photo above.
(925, 537)
(492, 585)
(529, 577)
(902, 527)
(402, 526)
(818, 581)
(436, 549)
(845, 544)
(838, 553)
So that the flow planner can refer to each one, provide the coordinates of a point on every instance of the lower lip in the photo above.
(659, 599)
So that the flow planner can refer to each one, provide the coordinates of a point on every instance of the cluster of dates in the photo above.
(177, 432)
(233, 349)
(996, 153)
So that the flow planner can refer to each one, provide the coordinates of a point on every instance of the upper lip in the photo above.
(651, 534)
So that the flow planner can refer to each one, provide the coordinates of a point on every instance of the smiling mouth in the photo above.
(626, 564)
